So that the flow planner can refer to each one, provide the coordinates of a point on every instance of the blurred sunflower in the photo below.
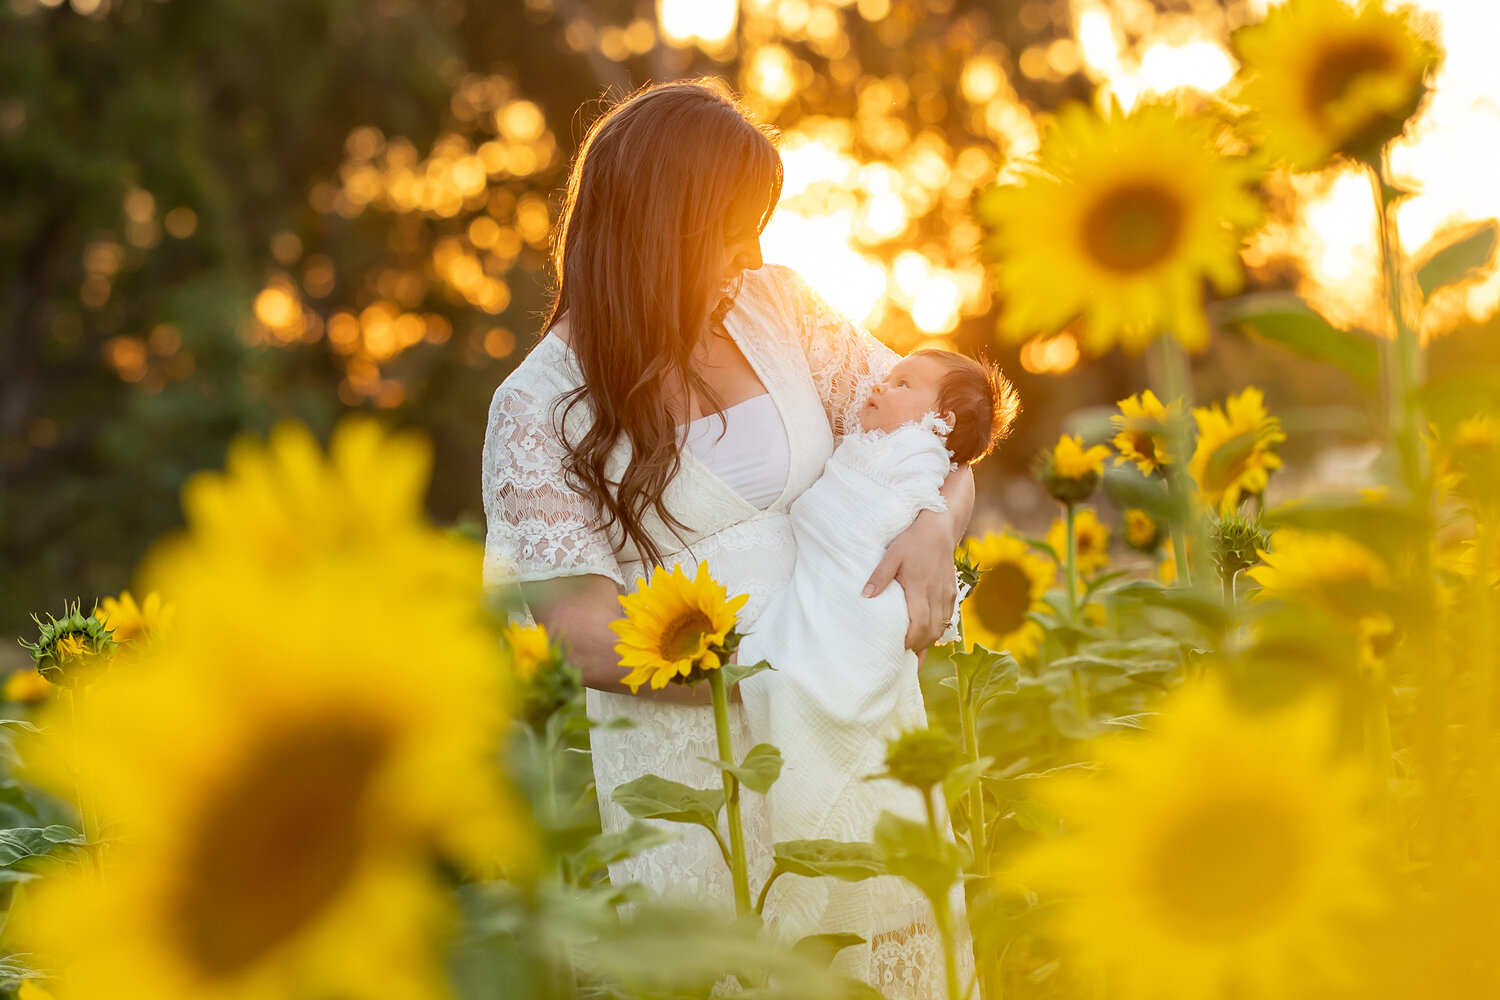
(1014, 580)
(26, 687)
(282, 816)
(1324, 78)
(1119, 223)
(528, 649)
(128, 621)
(1219, 855)
(1473, 458)
(1143, 532)
(1070, 472)
(1142, 426)
(1327, 569)
(1233, 457)
(675, 628)
(1092, 541)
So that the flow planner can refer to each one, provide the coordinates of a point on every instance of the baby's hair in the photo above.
(983, 402)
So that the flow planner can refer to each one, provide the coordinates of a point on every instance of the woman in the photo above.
(683, 397)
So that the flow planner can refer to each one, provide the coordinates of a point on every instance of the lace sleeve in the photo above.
(843, 358)
(537, 526)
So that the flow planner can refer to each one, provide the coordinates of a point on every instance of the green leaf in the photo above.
(1459, 255)
(758, 771)
(736, 672)
(961, 778)
(651, 797)
(986, 674)
(821, 948)
(1129, 487)
(1202, 606)
(846, 861)
(910, 851)
(24, 843)
(607, 848)
(1284, 318)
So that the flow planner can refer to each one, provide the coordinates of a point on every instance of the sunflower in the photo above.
(1219, 855)
(1119, 223)
(26, 687)
(282, 815)
(1472, 459)
(1092, 541)
(1013, 582)
(675, 628)
(1324, 78)
(1071, 472)
(73, 650)
(129, 621)
(528, 647)
(1142, 425)
(1324, 568)
(1233, 457)
(1143, 532)
(282, 811)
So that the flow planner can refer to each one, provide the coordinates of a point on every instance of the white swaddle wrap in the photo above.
(843, 681)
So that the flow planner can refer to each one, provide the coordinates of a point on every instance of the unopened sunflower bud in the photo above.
(1237, 543)
(71, 649)
(1070, 472)
(922, 758)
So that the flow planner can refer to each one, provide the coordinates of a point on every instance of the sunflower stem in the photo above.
(978, 830)
(941, 909)
(1403, 364)
(738, 867)
(1071, 569)
(1174, 382)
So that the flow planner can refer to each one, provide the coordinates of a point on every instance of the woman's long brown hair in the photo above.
(658, 182)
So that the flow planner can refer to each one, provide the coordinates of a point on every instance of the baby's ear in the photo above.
(950, 418)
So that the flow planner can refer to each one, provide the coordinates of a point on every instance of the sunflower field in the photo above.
(1193, 743)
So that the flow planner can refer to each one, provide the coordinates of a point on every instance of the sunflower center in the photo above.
(275, 845)
(1134, 227)
(1141, 443)
(1228, 870)
(1002, 597)
(1339, 70)
(684, 635)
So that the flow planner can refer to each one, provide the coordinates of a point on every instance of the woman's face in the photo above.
(741, 247)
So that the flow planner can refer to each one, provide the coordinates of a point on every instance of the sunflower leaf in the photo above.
(846, 861)
(758, 771)
(1130, 487)
(963, 777)
(985, 674)
(652, 797)
(736, 672)
(821, 948)
(607, 848)
(22, 844)
(910, 851)
(1459, 255)
(1284, 318)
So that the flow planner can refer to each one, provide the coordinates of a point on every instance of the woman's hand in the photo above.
(921, 560)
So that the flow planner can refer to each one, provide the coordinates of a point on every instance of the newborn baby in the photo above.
(844, 681)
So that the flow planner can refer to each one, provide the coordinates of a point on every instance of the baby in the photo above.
(844, 681)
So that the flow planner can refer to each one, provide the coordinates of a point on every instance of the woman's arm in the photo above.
(577, 611)
(921, 558)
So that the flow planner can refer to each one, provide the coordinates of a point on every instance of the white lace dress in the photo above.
(814, 364)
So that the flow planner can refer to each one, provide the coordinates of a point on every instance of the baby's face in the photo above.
(909, 391)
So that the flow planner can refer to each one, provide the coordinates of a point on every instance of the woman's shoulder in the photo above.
(547, 371)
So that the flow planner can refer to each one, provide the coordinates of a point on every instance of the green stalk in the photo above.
(1174, 381)
(737, 864)
(942, 910)
(1403, 364)
(1071, 570)
(978, 834)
